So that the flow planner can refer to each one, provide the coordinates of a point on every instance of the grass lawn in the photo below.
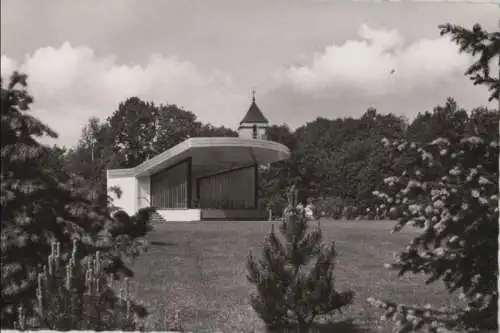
(199, 269)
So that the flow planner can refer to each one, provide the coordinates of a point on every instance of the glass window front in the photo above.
(169, 187)
(231, 190)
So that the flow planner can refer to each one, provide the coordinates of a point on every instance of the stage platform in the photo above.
(208, 214)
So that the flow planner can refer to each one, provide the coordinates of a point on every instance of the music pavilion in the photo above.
(203, 178)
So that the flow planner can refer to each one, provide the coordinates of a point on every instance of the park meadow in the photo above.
(198, 270)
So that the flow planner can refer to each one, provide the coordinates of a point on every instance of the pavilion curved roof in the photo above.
(228, 151)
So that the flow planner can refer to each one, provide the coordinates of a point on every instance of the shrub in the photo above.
(330, 207)
(75, 293)
(349, 212)
(294, 276)
(276, 203)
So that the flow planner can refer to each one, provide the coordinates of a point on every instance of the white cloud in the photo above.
(380, 63)
(71, 83)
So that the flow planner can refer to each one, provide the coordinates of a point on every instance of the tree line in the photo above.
(340, 162)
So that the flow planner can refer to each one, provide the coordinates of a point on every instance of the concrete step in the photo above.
(156, 218)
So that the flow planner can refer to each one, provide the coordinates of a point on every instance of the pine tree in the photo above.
(294, 276)
(486, 45)
(40, 205)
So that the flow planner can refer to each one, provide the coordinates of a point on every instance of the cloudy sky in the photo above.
(305, 58)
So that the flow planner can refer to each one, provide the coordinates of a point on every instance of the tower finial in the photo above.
(253, 95)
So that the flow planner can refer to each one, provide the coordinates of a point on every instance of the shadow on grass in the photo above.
(161, 243)
(344, 326)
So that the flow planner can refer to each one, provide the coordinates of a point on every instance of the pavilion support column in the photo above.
(198, 195)
(189, 190)
(256, 186)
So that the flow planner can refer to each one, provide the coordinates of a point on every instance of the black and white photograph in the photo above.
(250, 166)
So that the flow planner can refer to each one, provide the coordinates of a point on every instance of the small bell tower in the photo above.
(254, 124)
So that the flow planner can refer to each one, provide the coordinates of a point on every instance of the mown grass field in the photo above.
(199, 269)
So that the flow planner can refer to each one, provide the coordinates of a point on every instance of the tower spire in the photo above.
(254, 123)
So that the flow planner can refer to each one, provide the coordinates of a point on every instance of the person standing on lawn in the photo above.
(310, 210)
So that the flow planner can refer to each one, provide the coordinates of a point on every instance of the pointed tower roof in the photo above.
(254, 115)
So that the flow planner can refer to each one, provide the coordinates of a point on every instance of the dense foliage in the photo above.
(339, 161)
(451, 193)
(294, 275)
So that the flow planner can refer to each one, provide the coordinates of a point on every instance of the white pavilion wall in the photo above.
(144, 192)
(128, 187)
